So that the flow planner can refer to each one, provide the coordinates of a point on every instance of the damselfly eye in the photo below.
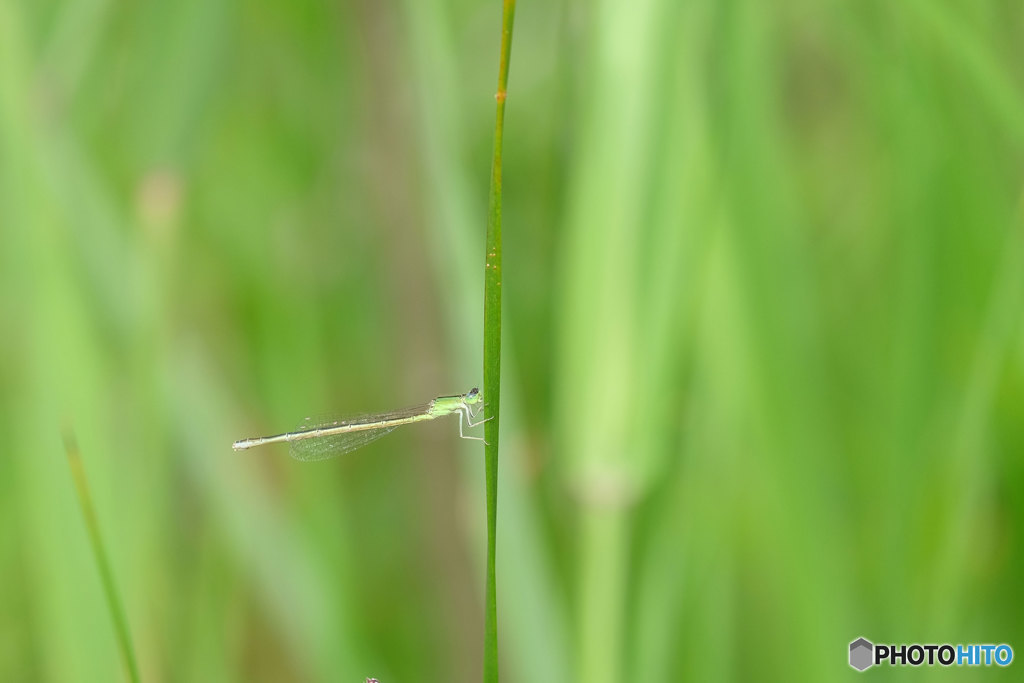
(472, 392)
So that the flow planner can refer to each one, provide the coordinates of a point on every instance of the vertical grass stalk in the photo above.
(106, 575)
(492, 346)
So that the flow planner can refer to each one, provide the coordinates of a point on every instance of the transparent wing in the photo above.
(324, 447)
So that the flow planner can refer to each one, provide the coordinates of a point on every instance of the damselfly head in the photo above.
(473, 396)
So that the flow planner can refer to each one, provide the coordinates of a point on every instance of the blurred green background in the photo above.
(763, 369)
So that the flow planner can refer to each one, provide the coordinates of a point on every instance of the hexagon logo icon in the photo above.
(861, 651)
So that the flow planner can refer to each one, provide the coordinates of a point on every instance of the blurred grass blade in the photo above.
(602, 322)
(96, 541)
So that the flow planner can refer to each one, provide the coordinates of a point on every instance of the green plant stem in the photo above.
(106, 575)
(492, 346)
(605, 537)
